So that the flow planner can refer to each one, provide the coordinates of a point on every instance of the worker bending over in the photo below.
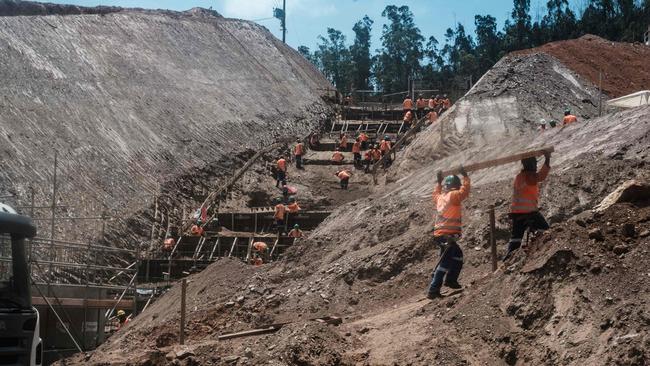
(525, 198)
(260, 253)
(281, 172)
(279, 215)
(344, 176)
(420, 104)
(363, 137)
(295, 233)
(568, 117)
(432, 117)
(298, 152)
(337, 157)
(408, 120)
(448, 198)
(293, 207)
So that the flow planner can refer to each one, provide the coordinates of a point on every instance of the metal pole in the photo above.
(183, 294)
(53, 218)
(284, 21)
(493, 242)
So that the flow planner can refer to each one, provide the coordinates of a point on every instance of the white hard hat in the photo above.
(7, 209)
(542, 121)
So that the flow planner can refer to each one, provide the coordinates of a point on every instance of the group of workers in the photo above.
(447, 199)
(568, 119)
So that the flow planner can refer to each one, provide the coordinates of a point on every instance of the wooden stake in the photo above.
(183, 294)
(493, 242)
(500, 161)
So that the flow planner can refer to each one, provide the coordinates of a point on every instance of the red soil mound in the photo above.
(624, 65)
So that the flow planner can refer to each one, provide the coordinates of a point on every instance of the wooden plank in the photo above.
(80, 303)
(247, 333)
(234, 244)
(273, 249)
(500, 161)
(216, 244)
(249, 250)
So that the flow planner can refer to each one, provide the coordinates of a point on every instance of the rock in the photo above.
(364, 330)
(230, 304)
(620, 249)
(596, 234)
(183, 352)
(240, 299)
(630, 191)
(628, 230)
(230, 359)
(248, 352)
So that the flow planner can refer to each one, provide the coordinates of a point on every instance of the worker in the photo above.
(298, 152)
(281, 172)
(524, 209)
(568, 117)
(169, 244)
(363, 137)
(122, 319)
(438, 103)
(407, 104)
(196, 230)
(293, 207)
(432, 116)
(447, 199)
(542, 125)
(356, 150)
(344, 176)
(280, 212)
(408, 120)
(337, 157)
(257, 260)
(432, 104)
(295, 232)
(552, 123)
(343, 142)
(314, 140)
(385, 145)
(420, 104)
(446, 104)
(367, 160)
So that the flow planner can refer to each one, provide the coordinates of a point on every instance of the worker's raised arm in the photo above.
(438, 189)
(463, 192)
(545, 169)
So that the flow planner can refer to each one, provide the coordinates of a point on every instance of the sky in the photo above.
(307, 19)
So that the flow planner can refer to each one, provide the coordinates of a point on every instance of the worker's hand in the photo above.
(463, 172)
(439, 176)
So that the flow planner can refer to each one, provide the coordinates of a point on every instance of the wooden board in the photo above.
(79, 303)
(500, 161)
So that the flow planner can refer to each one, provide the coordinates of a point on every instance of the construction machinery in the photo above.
(20, 343)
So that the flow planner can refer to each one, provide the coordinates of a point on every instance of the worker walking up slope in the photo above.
(447, 198)
(524, 210)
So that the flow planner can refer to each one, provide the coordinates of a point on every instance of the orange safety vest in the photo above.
(376, 154)
(356, 147)
(420, 103)
(363, 137)
(384, 146)
(295, 233)
(446, 103)
(433, 116)
(525, 195)
(282, 165)
(408, 117)
(368, 155)
(432, 103)
(408, 103)
(196, 230)
(569, 119)
(260, 246)
(299, 149)
(257, 261)
(293, 207)
(344, 142)
(279, 211)
(343, 174)
(448, 218)
(337, 156)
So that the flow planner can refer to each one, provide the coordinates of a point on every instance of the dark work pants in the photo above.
(357, 159)
(344, 183)
(367, 164)
(280, 226)
(299, 161)
(451, 262)
(534, 221)
(281, 178)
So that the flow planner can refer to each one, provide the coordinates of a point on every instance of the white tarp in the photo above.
(631, 100)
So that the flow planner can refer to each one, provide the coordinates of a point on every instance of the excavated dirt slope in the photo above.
(137, 100)
(575, 296)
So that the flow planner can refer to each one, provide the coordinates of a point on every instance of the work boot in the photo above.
(434, 294)
(453, 284)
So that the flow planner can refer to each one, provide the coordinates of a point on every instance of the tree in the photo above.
(519, 30)
(306, 53)
(334, 59)
(360, 54)
(488, 41)
(559, 22)
(401, 52)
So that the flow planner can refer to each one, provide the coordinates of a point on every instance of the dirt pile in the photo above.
(624, 66)
(139, 103)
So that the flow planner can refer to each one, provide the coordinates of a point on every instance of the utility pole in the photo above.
(282, 15)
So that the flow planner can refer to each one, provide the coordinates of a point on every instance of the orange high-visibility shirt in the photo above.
(279, 211)
(363, 137)
(384, 146)
(356, 147)
(408, 116)
(368, 155)
(408, 103)
(569, 119)
(295, 233)
(432, 103)
(293, 207)
(525, 196)
(299, 149)
(420, 103)
(376, 154)
(433, 116)
(282, 165)
(260, 246)
(446, 103)
(343, 174)
(448, 219)
(337, 157)
(344, 142)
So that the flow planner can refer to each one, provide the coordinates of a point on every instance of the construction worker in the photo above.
(385, 145)
(257, 260)
(542, 125)
(196, 230)
(432, 116)
(295, 232)
(281, 172)
(356, 150)
(438, 103)
(552, 123)
(432, 103)
(568, 117)
(298, 152)
(344, 176)
(446, 104)
(169, 244)
(293, 207)
(343, 142)
(337, 157)
(408, 120)
(280, 212)
(367, 159)
(447, 198)
(363, 137)
(407, 104)
(260, 253)
(122, 319)
(524, 210)
(314, 140)
(420, 104)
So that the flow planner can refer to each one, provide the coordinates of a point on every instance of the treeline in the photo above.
(405, 54)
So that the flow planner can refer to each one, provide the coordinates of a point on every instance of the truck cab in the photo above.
(20, 343)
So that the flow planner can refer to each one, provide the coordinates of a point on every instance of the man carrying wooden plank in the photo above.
(447, 198)
(524, 209)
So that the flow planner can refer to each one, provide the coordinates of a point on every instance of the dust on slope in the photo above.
(624, 66)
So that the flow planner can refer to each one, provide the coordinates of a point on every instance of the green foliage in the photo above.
(404, 53)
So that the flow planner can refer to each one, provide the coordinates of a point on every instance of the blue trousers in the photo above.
(451, 262)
